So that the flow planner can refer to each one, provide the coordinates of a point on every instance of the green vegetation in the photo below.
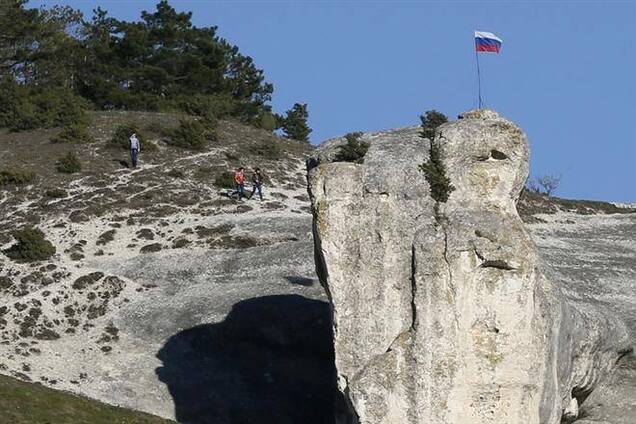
(16, 176)
(267, 149)
(68, 164)
(121, 136)
(295, 123)
(176, 173)
(225, 180)
(434, 169)
(23, 107)
(74, 133)
(268, 121)
(430, 121)
(30, 246)
(56, 64)
(354, 150)
(190, 134)
(55, 193)
(28, 403)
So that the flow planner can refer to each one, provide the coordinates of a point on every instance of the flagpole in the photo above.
(478, 78)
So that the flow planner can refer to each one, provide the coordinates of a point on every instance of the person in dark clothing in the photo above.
(257, 183)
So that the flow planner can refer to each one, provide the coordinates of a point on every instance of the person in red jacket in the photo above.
(239, 179)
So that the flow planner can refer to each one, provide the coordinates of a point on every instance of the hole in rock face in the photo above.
(496, 154)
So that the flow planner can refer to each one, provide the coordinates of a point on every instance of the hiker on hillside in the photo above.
(134, 149)
(239, 179)
(257, 183)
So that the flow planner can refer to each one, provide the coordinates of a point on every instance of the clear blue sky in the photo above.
(566, 74)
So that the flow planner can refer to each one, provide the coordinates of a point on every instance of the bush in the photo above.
(430, 121)
(175, 173)
(55, 193)
(225, 180)
(232, 156)
(190, 134)
(121, 136)
(210, 106)
(268, 121)
(26, 108)
(16, 176)
(354, 150)
(269, 149)
(68, 164)
(75, 133)
(30, 246)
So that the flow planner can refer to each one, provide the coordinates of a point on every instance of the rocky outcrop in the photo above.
(442, 313)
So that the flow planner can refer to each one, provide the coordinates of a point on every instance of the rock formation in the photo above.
(442, 312)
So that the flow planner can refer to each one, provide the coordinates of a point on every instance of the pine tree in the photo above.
(295, 123)
(434, 169)
(430, 121)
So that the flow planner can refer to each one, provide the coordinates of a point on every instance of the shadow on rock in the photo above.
(270, 361)
(300, 281)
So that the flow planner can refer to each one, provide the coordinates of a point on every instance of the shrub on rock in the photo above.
(354, 150)
(16, 176)
(68, 164)
(30, 246)
(430, 121)
(55, 193)
(225, 180)
(75, 133)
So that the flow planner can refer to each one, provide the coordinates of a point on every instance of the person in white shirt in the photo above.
(134, 149)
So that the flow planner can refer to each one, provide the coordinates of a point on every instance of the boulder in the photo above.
(442, 312)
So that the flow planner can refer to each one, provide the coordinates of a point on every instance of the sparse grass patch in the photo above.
(30, 246)
(55, 193)
(225, 180)
(150, 248)
(106, 237)
(68, 164)
(74, 133)
(236, 242)
(267, 149)
(16, 176)
(28, 403)
(231, 156)
(176, 173)
(180, 242)
(87, 280)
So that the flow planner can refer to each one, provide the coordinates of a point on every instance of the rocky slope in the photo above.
(153, 263)
(167, 297)
(445, 312)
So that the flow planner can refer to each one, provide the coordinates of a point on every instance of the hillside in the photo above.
(27, 403)
(143, 255)
(166, 296)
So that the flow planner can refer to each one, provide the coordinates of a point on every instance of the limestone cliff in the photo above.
(442, 313)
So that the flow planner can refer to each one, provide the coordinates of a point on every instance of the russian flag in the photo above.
(487, 42)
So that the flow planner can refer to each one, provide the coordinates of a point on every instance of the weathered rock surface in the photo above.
(450, 318)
